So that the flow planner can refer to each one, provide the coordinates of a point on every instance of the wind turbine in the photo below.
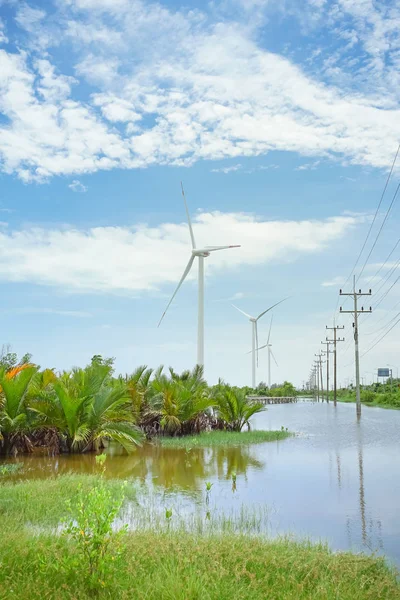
(270, 353)
(201, 254)
(254, 345)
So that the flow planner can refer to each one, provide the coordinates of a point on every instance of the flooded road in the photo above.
(337, 480)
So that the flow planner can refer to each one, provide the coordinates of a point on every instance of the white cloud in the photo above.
(203, 88)
(227, 170)
(77, 186)
(336, 281)
(308, 166)
(134, 259)
(3, 37)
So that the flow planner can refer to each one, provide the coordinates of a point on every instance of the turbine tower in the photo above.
(201, 254)
(270, 353)
(254, 340)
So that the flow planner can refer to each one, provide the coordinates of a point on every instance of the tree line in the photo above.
(79, 410)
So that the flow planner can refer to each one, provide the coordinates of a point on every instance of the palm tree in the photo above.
(234, 409)
(14, 423)
(181, 400)
(86, 409)
(140, 389)
(109, 416)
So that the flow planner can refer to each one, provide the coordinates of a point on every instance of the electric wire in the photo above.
(371, 227)
(383, 336)
(380, 230)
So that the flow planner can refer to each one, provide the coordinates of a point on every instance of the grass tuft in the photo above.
(10, 468)
(223, 438)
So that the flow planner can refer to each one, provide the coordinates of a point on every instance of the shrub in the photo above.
(90, 528)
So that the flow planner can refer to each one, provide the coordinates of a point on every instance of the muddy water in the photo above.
(338, 480)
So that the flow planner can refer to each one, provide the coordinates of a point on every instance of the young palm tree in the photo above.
(179, 401)
(234, 409)
(87, 409)
(14, 424)
(140, 390)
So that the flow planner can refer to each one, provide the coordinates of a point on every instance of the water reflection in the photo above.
(363, 526)
(163, 467)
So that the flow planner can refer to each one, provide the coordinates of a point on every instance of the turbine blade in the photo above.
(185, 274)
(270, 308)
(272, 354)
(188, 218)
(215, 248)
(243, 313)
(270, 325)
(260, 348)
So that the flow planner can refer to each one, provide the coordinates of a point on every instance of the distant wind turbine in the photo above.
(201, 254)
(254, 345)
(270, 353)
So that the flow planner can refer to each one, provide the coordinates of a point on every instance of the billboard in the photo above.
(383, 372)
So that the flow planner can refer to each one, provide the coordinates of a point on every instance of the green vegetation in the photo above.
(382, 395)
(166, 564)
(283, 390)
(234, 409)
(223, 438)
(10, 468)
(80, 410)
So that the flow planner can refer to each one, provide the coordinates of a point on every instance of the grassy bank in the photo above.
(183, 567)
(223, 438)
(379, 400)
(169, 565)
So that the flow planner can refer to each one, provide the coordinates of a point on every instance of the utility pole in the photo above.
(356, 312)
(327, 352)
(320, 363)
(316, 376)
(334, 341)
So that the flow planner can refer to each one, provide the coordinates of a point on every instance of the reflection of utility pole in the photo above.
(327, 352)
(334, 341)
(339, 470)
(361, 492)
(356, 312)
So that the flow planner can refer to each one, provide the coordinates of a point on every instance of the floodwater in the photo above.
(337, 480)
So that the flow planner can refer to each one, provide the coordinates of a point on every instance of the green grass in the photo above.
(42, 502)
(10, 468)
(172, 565)
(223, 438)
(351, 399)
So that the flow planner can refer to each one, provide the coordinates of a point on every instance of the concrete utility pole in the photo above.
(320, 363)
(334, 341)
(327, 352)
(316, 376)
(356, 312)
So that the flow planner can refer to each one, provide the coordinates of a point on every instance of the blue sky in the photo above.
(282, 120)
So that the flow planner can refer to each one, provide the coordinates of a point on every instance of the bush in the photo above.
(367, 396)
(90, 528)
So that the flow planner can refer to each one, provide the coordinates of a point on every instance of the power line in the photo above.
(383, 336)
(384, 264)
(371, 226)
(380, 230)
(387, 291)
(381, 319)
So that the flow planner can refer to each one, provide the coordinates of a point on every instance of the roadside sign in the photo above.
(383, 372)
